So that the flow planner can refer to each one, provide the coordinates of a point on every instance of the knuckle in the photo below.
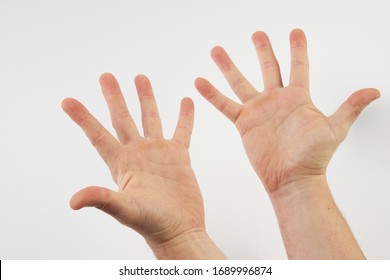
(238, 83)
(98, 139)
(224, 105)
(269, 64)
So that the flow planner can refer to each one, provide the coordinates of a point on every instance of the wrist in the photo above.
(299, 186)
(308, 192)
(195, 245)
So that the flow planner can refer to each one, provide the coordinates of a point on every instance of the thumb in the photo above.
(104, 199)
(348, 112)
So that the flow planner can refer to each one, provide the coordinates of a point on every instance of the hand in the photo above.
(285, 136)
(158, 195)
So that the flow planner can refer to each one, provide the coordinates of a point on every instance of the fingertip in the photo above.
(141, 81)
(297, 32)
(90, 197)
(66, 103)
(109, 84)
(69, 104)
(363, 97)
(203, 86)
(376, 93)
(258, 34)
(199, 83)
(74, 203)
(107, 76)
(187, 101)
(297, 37)
(140, 78)
(187, 106)
(217, 53)
(372, 94)
(260, 38)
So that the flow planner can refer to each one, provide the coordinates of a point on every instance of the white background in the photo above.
(50, 50)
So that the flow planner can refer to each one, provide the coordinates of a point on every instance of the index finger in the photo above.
(106, 144)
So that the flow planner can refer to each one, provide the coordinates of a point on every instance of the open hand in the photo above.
(158, 194)
(285, 136)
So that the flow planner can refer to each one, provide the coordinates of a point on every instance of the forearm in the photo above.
(311, 225)
(192, 246)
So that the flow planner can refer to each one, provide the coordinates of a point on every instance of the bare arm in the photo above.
(289, 143)
(312, 226)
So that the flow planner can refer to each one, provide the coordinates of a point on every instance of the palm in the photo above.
(158, 183)
(283, 133)
(158, 194)
(282, 139)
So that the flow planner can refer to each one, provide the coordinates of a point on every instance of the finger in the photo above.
(106, 144)
(107, 201)
(299, 75)
(269, 65)
(185, 123)
(348, 112)
(240, 85)
(92, 197)
(121, 120)
(224, 104)
(150, 117)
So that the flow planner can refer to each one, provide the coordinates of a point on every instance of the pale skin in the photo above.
(289, 143)
(158, 194)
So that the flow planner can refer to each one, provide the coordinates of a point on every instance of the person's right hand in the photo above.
(285, 136)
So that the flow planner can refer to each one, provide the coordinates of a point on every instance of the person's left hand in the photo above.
(158, 195)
